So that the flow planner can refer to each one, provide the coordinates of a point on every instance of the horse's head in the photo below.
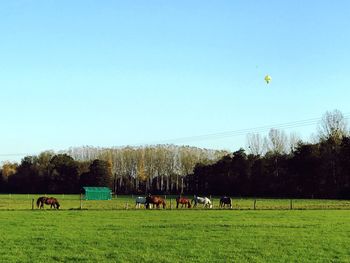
(57, 205)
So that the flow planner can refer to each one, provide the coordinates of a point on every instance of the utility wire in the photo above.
(221, 135)
(227, 134)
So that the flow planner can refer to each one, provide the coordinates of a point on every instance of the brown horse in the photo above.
(183, 201)
(53, 202)
(155, 200)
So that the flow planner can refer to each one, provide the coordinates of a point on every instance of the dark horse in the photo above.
(225, 201)
(53, 202)
(183, 201)
(155, 200)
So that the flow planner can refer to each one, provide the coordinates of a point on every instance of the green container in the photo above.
(97, 193)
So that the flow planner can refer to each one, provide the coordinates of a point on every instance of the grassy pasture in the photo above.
(24, 202)
(175, 236)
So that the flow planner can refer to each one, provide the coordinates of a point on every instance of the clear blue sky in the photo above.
(111, 73)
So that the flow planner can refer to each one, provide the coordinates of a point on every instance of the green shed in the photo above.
(97, 193)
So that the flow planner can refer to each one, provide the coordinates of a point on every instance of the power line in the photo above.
(234, 133)
(221, 135)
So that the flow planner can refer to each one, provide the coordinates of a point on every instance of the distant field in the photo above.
(24, 202)
(175, 236)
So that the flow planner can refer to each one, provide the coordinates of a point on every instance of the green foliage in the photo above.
(64, 174)
(99, 174)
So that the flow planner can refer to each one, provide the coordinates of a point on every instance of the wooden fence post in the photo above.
(254, 204)
(291, 204)
(32, 203)
(170, 204)
(81, 201)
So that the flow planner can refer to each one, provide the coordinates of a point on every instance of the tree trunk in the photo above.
(177, 183)
(167, 184)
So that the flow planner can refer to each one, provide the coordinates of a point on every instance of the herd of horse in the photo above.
(151, 201)
(156, 201)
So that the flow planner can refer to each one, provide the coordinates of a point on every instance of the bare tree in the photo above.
(255, 144)
(333, 126)
(294, 140)
(277, 141)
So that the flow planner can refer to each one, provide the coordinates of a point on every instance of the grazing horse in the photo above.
(202, 200)
(53, 202)
(225, 201)
(183, 201)
(140, 200)
(155, 200)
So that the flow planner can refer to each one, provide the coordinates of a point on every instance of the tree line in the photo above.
(157, 169)
(277, 165)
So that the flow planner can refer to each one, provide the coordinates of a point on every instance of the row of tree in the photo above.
(160, 168)
(312, 170)
(274, 166)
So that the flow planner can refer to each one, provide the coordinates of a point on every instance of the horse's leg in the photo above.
(177, 205)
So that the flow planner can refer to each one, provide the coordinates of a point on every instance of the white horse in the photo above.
(202, 200)
(140, 200)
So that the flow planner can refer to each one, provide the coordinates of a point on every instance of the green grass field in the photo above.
(69, 202)
(107, 232)
(175, 236)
